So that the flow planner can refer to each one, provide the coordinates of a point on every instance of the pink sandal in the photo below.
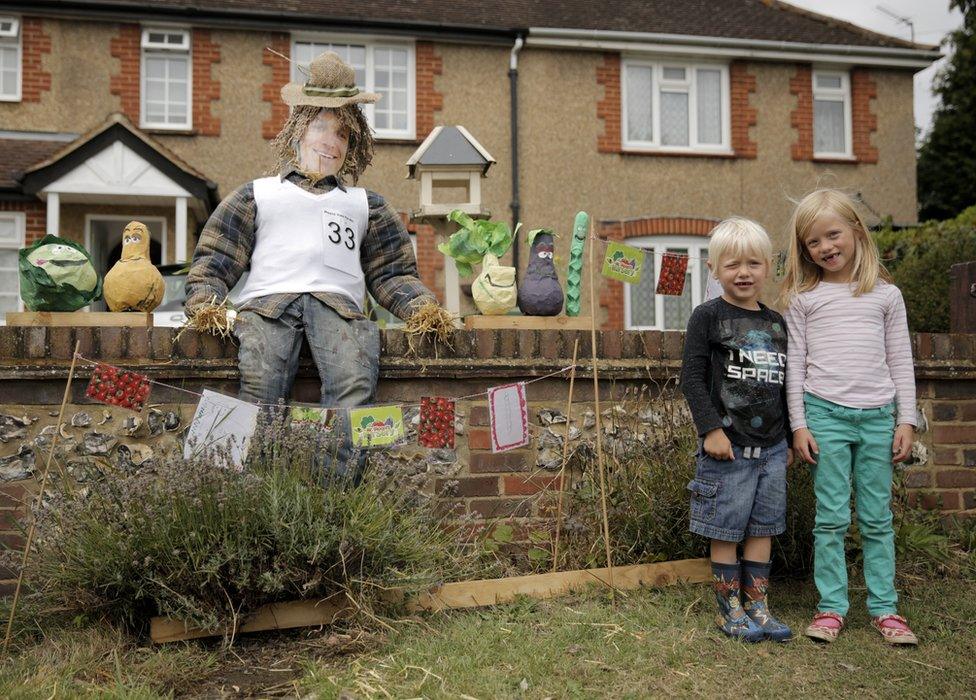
(825, 626)
(894, 629)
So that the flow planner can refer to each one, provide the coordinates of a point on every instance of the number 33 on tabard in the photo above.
(337, 234)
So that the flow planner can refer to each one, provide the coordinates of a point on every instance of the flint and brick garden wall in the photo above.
(34, 364)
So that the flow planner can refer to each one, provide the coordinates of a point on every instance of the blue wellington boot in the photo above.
(732, 619)
(755, 583)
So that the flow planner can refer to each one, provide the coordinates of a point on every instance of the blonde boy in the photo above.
(733, 377)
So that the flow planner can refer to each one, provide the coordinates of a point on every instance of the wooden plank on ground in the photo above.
(528, 323)
(129, 319)
(277, 616)
(462, 594)
(468, 594)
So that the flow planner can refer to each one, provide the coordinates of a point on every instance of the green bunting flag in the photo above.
(376, 426)
(623, 262)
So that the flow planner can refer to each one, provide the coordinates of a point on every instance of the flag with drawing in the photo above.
(222, 425)
(376, 426)
(623, 262)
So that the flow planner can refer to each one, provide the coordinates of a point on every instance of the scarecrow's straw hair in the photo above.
(358, 156)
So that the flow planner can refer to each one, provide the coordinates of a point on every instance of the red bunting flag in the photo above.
(436, 422)
(672, 279)
(118, 387)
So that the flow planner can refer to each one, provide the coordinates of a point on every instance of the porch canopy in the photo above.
(118, 164)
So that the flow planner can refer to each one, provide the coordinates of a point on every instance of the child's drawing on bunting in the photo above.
(436, 422)
(508, 416)
(376, 426)
(623, 262)
(671, 281)
(310, 415)
(118, 387)
(221, 423)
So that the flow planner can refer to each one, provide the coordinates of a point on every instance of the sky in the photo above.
(932, 20)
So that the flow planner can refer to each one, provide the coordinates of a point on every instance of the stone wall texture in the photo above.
(34, 364)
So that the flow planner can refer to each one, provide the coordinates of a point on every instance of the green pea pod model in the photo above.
(581, 228)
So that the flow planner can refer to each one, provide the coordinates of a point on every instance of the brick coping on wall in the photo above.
(44, 353)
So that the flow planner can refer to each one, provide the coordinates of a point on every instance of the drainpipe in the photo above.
(513, 84)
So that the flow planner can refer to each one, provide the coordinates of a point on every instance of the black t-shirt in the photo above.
(734, 372)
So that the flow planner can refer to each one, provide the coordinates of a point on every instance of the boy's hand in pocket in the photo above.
(717, 445)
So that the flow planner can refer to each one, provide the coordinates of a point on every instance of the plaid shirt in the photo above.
(227, 242)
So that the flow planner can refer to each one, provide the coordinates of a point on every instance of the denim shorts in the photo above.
(743, 497)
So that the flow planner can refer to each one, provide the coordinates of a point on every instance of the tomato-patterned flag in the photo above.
(672, 278)
(118, 387)
(436, 422)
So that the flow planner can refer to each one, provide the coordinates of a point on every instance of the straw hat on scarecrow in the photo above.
(330, 84)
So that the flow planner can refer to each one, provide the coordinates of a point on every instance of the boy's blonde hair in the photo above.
(738, 236)
(802, 274)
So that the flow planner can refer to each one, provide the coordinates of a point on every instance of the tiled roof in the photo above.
(769, 20)
(17, 155)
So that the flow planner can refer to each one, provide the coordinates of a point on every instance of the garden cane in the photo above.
(562, 469)
(40, 495)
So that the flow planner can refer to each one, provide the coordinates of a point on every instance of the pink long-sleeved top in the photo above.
(852, 351)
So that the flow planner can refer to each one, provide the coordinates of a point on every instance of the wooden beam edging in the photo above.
(462, 594)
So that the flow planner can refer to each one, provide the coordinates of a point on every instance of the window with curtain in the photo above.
(12, 234)
(646, 310)
(9, 59)
(675, 106)
(381, 67)
(831, 114)
(166, 81)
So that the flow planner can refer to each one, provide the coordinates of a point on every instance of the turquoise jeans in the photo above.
(855, 445)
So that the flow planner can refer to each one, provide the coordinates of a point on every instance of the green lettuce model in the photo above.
(581, 228)
(57, 275)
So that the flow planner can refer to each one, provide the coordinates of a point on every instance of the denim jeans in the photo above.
(744, 497)
(345, 352)
(855, 445)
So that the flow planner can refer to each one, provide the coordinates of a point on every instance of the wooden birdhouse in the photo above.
(450, 164)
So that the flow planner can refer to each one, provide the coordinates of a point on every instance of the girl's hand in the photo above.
(901, 446)
(717, 445)
(789, 456)
(805, 445)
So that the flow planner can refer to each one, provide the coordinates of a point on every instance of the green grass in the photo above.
(655, 642)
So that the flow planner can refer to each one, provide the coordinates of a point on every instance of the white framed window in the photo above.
(166, 79)
(646, 310)
(383, 66)
(831, 114)
(10, 59)
(13, 227)
(675, 106)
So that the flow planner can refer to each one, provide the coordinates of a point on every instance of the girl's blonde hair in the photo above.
(802, 274)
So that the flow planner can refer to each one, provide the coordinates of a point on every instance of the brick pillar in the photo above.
(125, 46)
(863, 121)
(36, 43)
(280, 74)
(429, 100)
(206, 88)
(742, 84)
(608, 109)
(801, 118)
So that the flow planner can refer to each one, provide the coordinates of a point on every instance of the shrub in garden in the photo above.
(194, 540)
(919, 260)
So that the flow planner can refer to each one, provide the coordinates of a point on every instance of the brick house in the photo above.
(658, 118)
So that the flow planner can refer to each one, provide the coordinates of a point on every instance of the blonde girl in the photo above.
(850, 387)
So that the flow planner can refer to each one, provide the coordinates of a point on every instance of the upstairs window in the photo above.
(166, 85)
(9, 59)
(675, 106)
(386, 68)
(831, 115)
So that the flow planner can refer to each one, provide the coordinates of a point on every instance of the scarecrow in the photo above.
(314, 244)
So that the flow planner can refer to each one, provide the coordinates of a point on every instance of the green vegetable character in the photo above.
(57, 275)
(581, 228)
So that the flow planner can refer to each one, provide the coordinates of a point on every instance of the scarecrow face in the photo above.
(323, 146)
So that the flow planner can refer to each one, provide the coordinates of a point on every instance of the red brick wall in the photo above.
(863, 120)
(741, 85)
(612, 292)
(206, 88)
(125, 83)
(36, 217)
(801, 118)
(429, 100)
(271, 91)
(608, 109)
(36, 43)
